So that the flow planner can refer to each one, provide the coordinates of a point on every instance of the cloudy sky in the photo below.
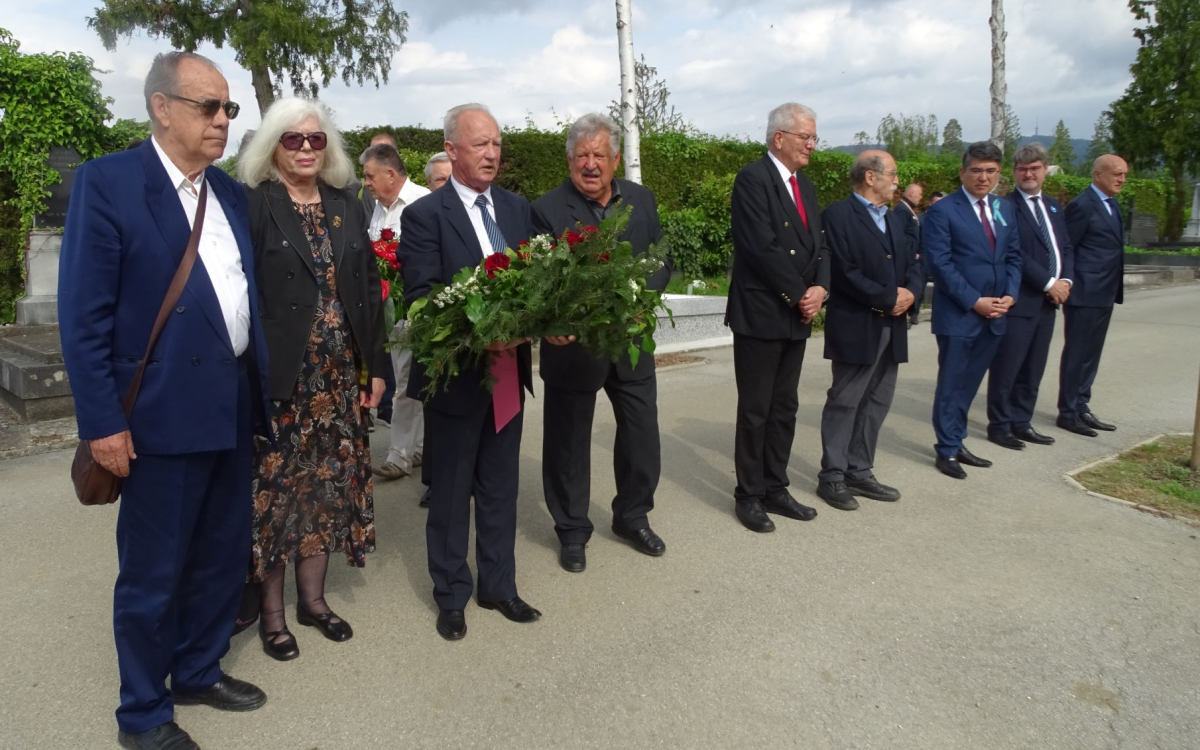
(727, 62)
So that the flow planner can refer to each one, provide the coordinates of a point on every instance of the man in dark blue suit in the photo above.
(185, 451)
(472, 433)
(1098, 234)
(973, 250)
(1047, 267)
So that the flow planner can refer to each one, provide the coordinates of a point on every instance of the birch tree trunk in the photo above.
(633, 144)
(999, 87)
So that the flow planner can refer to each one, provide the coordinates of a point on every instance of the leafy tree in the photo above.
(655, 114)
(952, 139)
(1101, 140)
(1062, 152)
(907, 138)
(1012, 133)
(307, 41)
(862, 139)
(1156, 122)
(123, 132)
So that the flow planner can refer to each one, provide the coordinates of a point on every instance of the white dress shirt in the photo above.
(785, 174)
(218, 251)
(987, 202)
(468, 197)
(389, 217)
(1104, 199)
(1033, 209)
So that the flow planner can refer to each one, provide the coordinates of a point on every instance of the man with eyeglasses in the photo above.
(1047, 266)
(972, 247)
(1098, 234)
(779, 283)
(186, 448)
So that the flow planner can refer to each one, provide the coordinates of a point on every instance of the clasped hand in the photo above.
(904, 300)
(1059, 292)
(994, 307)
(810, 303)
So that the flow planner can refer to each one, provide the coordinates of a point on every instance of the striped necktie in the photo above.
(495, 236)
(1044, 231)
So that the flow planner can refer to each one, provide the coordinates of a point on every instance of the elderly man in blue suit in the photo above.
(185, 450)
(1094, 222)
(973, 251)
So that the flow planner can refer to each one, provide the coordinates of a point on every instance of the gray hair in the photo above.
(257, 164)
(783, 117)
(591, 125)
(1031, 152)
(440, 156)
(863, 164)
(385, 155)
(163, 77)
(450, 123)
(982, 151)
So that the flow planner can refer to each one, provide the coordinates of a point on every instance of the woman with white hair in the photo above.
(322, 317)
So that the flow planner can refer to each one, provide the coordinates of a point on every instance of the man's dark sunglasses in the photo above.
(209, 107)
(294, 141)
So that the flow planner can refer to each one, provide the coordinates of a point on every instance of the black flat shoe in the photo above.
(872, 489)
(786, 505)
(643, 540)
(284, 650)
(514, 609)
(334, 631)
(970, 459)
(163, 737)
(1033, 436)
(950, 466)
(752, 516)
(837, 495)
(452, 624)
(573, 558)
(229, 694)
(1092, 421)
(1007, 440)
(1074, 425)
(424, 503)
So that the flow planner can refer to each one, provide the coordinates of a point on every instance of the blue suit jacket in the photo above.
(125, 235)
(438, 241)
(964, 266)
(1035, 265)
(1099, 240)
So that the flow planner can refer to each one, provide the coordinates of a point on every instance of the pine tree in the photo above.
(1062, 152)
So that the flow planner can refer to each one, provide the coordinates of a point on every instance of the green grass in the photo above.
(1157, 474)
(1193, 252)
(715, 286)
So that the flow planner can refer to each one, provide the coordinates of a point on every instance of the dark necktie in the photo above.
(799, 200)
(1044, 231)
(987, 225)
(495, 236)
(1115, 213)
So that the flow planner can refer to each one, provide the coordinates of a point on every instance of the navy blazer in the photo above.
(126, 233)
(1099, 241)
(964, 266)
(438, 241)
(866, 269)
(1035, 253)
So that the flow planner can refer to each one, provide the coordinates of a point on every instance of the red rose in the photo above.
(387, 235)
(589, 231)
(495, 262)
(572, 238)
(387, 288)
(395, 264)
(602, 257)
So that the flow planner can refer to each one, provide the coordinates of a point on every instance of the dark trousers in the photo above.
(1085, 329)
(183, 534)
(389, 392)
(1016, 372)
(962, 363)
(472, 460)
(426, 470)
(855, 407)
(767, 372)
(567, 453)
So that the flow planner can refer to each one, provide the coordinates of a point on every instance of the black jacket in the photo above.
(287, 285)
(866, 268)
(775, 259)
(1035, 267)
(572, 366)
(1098, 238)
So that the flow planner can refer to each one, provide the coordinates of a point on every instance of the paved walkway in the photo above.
(1007, 611)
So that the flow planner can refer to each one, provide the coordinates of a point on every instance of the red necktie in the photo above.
(987, 225)
(506, 392)
(799, 202)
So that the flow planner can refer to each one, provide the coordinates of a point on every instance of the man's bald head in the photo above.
(914, 193)
(1109, 173)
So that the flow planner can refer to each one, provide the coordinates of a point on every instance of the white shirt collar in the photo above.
(1029, 196)
(410, 191)
(178, 179)
(783, 171)
(975, 201)
(468, 195)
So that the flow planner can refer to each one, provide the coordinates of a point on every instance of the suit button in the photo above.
(179, 309)
(360, 304)
(295, 305)
(285, 243)
(786, 224)
(356, 274)
(291, 275)
(889, 257)
(353, 245)
(793, 252)
(195, 360)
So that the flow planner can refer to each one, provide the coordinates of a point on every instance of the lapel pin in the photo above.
(1053, 210)
(337, 222)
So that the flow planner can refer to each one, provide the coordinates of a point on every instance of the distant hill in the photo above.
(1080, 145)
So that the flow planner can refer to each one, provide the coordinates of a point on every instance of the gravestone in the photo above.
(1192, 233)
(1143, 229)
(64, 161)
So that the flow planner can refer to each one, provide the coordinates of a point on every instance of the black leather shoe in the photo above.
(786, 505)
(643, 540)
(1090, 420)
(950, 466)
(229, 694)
(573, 558)
(514, 609)
(871, 488)
(452, 624)
(335, 631)
(1075, 426)
(970, 459)
(163, 737)
(752, 516)
(1007, 440)
(1033, 436)
(836, 494)
(284, 650)
(425, 498)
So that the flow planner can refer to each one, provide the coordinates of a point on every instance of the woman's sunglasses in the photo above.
(209, 107)
(294, 141)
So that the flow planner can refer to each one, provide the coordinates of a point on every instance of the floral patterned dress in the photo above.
(313, 495)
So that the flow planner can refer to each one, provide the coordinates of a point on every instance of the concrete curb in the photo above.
(1149, 509)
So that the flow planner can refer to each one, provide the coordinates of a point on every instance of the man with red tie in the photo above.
(779, 282)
